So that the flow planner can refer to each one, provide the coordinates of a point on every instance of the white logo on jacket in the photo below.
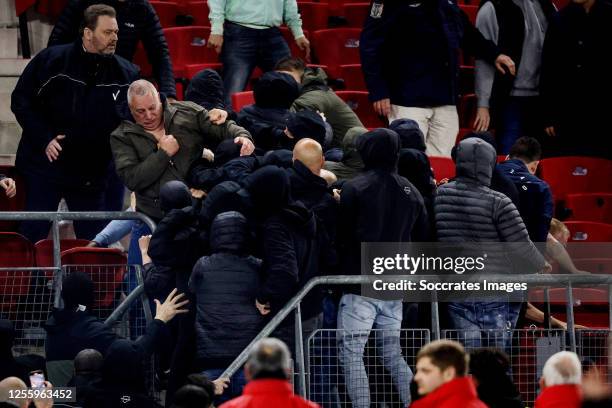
(115, 95)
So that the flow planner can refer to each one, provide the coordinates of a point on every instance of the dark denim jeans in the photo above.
(516, 117)
(484, 324)
(246, 48)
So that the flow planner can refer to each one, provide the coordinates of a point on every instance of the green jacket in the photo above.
(317, 96)
(144, 168)
(351, 164)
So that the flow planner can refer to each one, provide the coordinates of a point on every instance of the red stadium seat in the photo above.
(314, 15)
(353, 77)
(188, 45)
(471, 11)
(242, 99)
(335, 47)
(576, 174)
(587, 231)
(106, 266)
(199, 11)
(336, 7)
(192, 69)
(293, 47)
(443, 167)
(16, 203)
(356, 13)
(359, 102)
(502, 158)
(595, 265)
(166, 11)
(581, 296)
(43, 250)
(595, 207)
(15, 251)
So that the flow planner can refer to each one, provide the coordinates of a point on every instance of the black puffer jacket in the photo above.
(137, 22)
(468, 210)
(225, 286)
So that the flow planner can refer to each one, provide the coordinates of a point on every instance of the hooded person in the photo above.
(468, 201)
(225, 284)
(378, 205)
(87, 374)
(489, 369)
(499, 181)
(308, 124)
(351, 164)
(124, 374)
(294, 248)
(266, 120)
(206, 89)
(411, 136)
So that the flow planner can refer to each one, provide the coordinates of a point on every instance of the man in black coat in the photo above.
(66, 101)
(73, 328)
(576, 82)
(410, 56)
(137, 22)
(376, 206)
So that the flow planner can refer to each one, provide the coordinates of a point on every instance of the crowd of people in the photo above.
(251, 205)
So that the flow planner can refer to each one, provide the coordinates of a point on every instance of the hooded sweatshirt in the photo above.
(351, 164)
(378, 205)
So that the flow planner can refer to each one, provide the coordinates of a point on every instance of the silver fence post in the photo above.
(570, 317)
(610, 318)
(547, 318)
(435, 316)
(57, 263)
(299, 351)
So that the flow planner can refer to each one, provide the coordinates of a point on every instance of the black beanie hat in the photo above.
(174, 195)
(276, 90)
(307, 124)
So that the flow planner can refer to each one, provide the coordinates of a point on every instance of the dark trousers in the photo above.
(515, 117)
(246, 48)
(42, 195)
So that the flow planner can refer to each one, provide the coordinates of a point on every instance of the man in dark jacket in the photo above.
(137, 22)
(518, 28)
(315, 95)
(66, 101)
(410, 59)
(536, 201)
(351, 164)
(576, 80)
(498, 220)
(376, 206)
(73, 328)
(225, 285)
(266, 120)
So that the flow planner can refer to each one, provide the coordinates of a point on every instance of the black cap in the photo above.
(306, 124)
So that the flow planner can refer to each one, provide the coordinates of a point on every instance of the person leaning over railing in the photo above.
(73, 328)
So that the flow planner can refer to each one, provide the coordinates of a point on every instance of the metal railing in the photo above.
(566, 281)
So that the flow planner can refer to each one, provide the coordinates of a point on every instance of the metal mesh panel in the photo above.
(593, 347)
(326, 365)
(528, 351)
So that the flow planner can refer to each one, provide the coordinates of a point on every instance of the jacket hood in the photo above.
(314, 77)
(414, 165)
(124, 366)
(280, 157)
(349, 146)
(379, 149)
(229, 233)
(409, 133)
(486, 136)
(268, 188)
(475, 161)
(301, 218)
(223, 197)
(276, 90)
(226, 151)
(174, 195)
(206, 89)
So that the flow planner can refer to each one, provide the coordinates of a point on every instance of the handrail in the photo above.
(56, 216)
(536, 279)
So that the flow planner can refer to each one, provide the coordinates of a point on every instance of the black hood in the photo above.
(229, 233)
(223, 197)
(124, 366)
(414, 165)
(174, 195)
(269, 189)
(379, 149)
(279, 157)
(276, 90)
(226, 151)
(206, 89)
(475, 161)
(409, 133)
(300, 218)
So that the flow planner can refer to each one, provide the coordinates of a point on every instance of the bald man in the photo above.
(309, 183)
(12, 383)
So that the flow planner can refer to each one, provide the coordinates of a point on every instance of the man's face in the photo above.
(429, 377)
(147, 110)
(102, 40)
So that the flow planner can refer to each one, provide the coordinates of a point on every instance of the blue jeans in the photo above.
(246, 48)
(234, 389)
(137, 318)
(357, 316)
(516, 117)
(469, 318)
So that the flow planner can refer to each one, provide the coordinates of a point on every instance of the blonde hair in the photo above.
(558, 227)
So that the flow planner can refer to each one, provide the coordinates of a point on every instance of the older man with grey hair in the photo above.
(560, 382)
(268, 370)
